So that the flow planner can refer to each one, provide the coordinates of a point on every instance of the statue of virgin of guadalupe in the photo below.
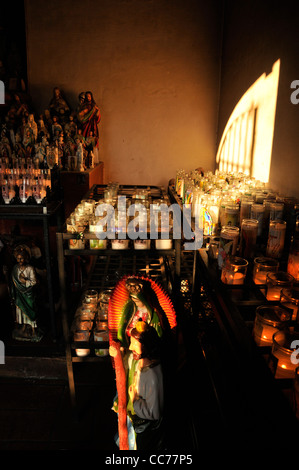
(135, 299)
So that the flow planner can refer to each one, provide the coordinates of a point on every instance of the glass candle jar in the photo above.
(257, 213)
(276, 210)
(249, 231)
(268, 320)
(229, 237)
(213, 249)
(77, 227)
(91, 296)
(284, 350)
(84, 337)
(234, 270)
(262, 266)
(293, 260)
(104, 298)
(96, 228)
(276, 282)
(276, 238)
(289, 299)
(245, 208)
(231, 215)
(142, 244)
(101, 335)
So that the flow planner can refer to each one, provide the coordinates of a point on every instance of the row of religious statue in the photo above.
(60, 136)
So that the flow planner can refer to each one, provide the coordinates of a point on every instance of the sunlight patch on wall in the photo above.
(246, 143)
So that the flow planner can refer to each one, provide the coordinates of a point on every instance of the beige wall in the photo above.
(153, 67)
(256, 34)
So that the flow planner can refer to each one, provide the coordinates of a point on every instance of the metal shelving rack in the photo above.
(248, 394)
(107, 266)
(44, 214)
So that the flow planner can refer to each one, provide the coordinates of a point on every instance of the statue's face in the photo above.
(136, 348)
(20, 260)
(133, 286)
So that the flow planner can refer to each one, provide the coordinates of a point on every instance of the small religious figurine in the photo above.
(71, 126)
(56, 128)
(5, 149)
(42, 129)
(136, 299)
(24, 296)
(58, 103)
(80, 155)
(32, 127)
(89, 117)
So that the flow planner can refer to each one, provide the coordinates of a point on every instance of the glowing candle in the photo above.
(234, 270)
(261, 267)
(268, 320)
(284, 350)
(276, 282)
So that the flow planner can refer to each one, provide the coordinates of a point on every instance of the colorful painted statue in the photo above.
(24, 296)
(58, 103)
(89, 117)
(134, 300)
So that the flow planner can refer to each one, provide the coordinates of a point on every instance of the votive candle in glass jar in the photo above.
(276, 238)
(289, 299)
(99, 243)
(84, 337)
(91, 296)
(268, 320)
(77, 228)
(234, 270)
(262, 266)
(284, 350)
(101, 335)
(104, 298)
(228, 243)
(249, 231)
(276, 282)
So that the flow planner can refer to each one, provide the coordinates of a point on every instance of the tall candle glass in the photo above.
(229, 237)
(245, 207)
(276, 210)
(276, 238)
(257, 213)
(249, 230)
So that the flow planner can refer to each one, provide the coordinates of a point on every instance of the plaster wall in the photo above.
(153, 67)
(255, 35)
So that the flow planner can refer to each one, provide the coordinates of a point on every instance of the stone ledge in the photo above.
(34, 367)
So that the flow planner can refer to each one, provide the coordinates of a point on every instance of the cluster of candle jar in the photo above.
(24, 184)
(237, 213)
(84, 222)
(272, 329)
(91, 322)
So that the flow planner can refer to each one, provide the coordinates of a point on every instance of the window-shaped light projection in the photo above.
(246, 143)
